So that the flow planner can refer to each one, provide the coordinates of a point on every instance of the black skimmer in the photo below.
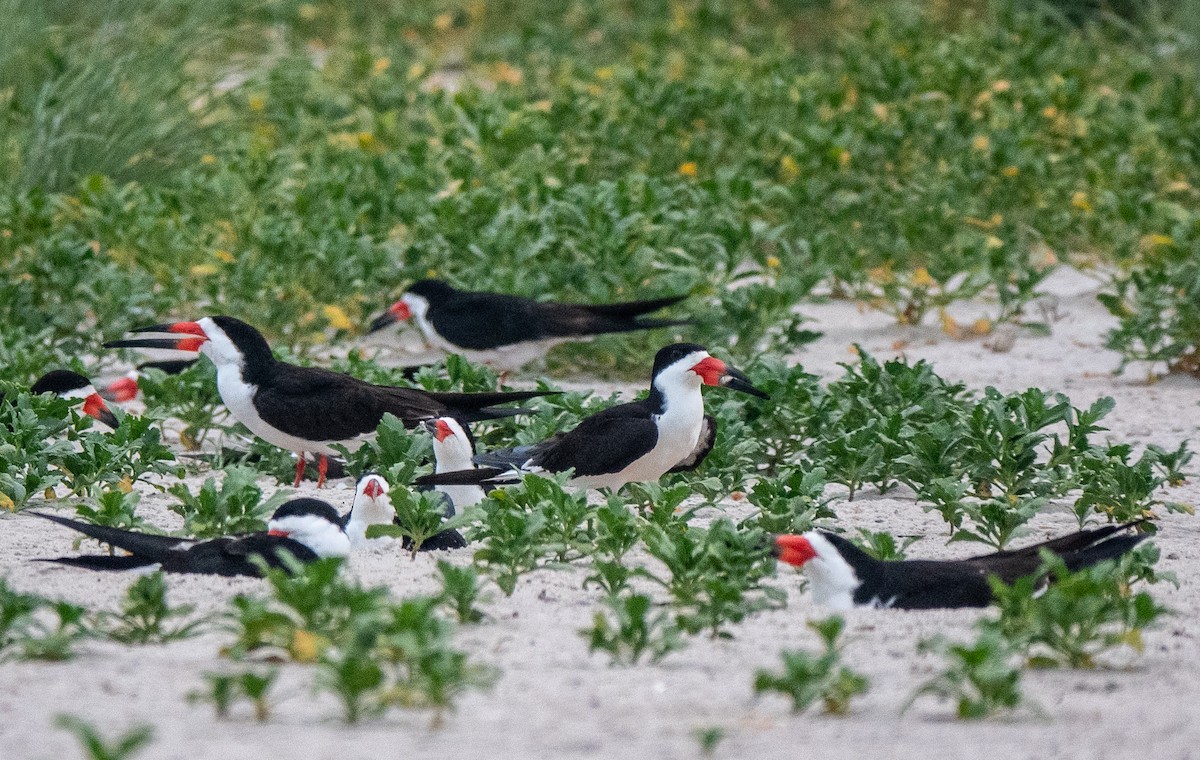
(842, 575)
(452, 450)
(125, 388)
(72, 385)
(638, 441)
(507, 332)
(309, 409)
(308, 529)
(371, 507)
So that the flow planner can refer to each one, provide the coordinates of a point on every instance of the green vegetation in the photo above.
(808, 679)
(97, 748)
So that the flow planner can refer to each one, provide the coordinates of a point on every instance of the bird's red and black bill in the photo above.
(713, 371)
(794, 550)
(439, 429)
(397, 312)
(94, 406)
(193, 343)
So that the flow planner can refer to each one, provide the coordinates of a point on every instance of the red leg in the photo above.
(299, 470)
(322, 468)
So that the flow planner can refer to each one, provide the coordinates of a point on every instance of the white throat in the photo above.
(832, 579)
(367, 511)
(452, 454)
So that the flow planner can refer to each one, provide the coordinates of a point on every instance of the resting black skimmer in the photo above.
(308, 529)
(452, 450)
(72, 385)
(125, 388)
(507, 332)
(635, 442)
(371, 507)
(309, 409)
(842, 576)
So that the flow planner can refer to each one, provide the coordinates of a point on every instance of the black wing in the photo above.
(606, 442)
(321, 405)
(232, 556)
(927, 585)
(482, 321)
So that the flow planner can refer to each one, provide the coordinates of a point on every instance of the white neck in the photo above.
(831, 578)
(368, 511)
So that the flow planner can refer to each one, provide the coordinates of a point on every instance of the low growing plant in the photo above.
(807, 678)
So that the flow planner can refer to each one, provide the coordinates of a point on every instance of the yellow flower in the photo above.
(6, 503)
(922, 278)
(443, 21)
(1001, 85)
(1080, 201)
(773, 262)
(507, 73)
(380, 66)
(306, 646)
(337, 317)
(416, 71)
(981, 143)
(208, 159)
(843, 158)
(223, 256)
(204, 270)
(605, 72)
(789, 169)
(1050, 112)
(366, 140)
(1010, 171)
(308, 11)
(982, 327)
(994, 242)
(688, 169)
(1157, 239)
(880, 111)
(257, 103)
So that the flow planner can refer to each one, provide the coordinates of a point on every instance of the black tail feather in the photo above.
(147, 546)
(477, 401)
(115, 562)
(631, 309)
(1110, 549)
(461, 477)
(1073, 542)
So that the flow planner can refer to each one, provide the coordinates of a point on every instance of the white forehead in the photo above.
(684, 364)
(373, 478)
(218, 346)
(78, 393)
(416, 304)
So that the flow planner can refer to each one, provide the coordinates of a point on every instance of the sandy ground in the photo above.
(554, 700)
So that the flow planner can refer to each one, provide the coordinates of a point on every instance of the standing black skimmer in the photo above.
(306, 528)
(309, 409)
(72, 385)
(507, 332)
(635, 442)
(842, 575)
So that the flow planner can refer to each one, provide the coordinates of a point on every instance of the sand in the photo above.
(554, 700)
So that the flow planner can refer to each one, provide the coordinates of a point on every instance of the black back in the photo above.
(480, 321)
